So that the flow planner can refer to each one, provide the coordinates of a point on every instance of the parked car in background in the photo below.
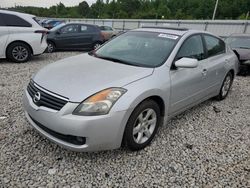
(240, 43)
(42, 21)
(49, 24)
(20, 36)
(108, 32)
(74, 36)
(124, 90)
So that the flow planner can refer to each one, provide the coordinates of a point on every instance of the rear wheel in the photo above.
(18, 52)
(226, 86)
(96, 45)
(142, 125)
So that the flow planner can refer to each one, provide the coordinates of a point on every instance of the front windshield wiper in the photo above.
(116, 60)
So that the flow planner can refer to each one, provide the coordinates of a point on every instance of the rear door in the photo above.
(86, 37)
(4, 35)
(68, 37)
(214, 68)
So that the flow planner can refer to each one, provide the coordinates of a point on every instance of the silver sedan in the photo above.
(122, 92)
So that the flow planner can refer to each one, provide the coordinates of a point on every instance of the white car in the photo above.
(20, 36)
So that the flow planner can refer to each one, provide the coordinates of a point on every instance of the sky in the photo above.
(40, 3)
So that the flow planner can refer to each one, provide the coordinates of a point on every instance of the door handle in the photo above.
(204, 72)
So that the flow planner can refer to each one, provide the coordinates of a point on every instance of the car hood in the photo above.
(81, 76)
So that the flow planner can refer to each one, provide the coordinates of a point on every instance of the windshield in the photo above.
(146, 49)
(58, 27)
(239, 42)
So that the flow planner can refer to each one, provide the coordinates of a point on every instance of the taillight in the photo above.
(43, 32)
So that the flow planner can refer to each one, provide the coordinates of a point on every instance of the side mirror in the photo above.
(186, 63)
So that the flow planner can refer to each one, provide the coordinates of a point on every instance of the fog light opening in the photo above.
(80, 139)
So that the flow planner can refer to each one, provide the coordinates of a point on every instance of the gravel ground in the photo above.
(207, 146)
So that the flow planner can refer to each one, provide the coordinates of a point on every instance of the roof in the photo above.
(240, 35)
(80, 23)
(164, 27)
(16, 13)
(173, 31)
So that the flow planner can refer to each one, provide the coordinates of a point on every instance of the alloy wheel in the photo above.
(144, 126)
(20, 53)
(50, 48)
(226, 85)
(97, 45)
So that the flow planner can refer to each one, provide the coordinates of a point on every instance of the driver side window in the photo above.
(192, 48)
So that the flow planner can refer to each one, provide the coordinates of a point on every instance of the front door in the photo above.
(68, 37)
(188, 83)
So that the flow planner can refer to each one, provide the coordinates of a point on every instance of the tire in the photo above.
(140, 130)
(96, 45)
(18, 52)
(226, 86)
(51, 47)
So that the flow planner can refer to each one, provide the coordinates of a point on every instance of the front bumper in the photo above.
(101, 132)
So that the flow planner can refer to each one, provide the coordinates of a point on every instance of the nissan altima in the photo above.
(119, 94)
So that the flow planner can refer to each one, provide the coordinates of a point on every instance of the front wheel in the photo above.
(226, 86)
(142, 125)
(51, 47)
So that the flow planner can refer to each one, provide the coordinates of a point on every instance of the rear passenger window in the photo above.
(85, 29)
(192, 48)
(15, 21)
(1, 20)
(214, 45)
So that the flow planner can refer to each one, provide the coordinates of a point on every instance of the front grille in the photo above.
(45, 99)
(76, 140)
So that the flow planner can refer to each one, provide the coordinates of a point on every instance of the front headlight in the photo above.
(99, 103)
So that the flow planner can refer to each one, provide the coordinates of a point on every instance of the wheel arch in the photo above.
(52, 41)
(156, 98)
(97, 42)
(159, 101)
(232, 72)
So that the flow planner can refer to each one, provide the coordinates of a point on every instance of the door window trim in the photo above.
(78, 29)
(203, 44)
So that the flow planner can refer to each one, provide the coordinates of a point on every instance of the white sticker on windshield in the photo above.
(163, 35)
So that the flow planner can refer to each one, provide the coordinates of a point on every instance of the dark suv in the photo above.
(74, 36)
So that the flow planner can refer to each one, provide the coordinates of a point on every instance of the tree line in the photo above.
(145, 9)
